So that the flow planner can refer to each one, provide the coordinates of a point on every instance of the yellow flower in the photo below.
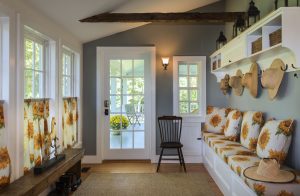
(38, 141)
(31, 158)
(30, 130)
(65, 105)
(233, 138)
(38, 161)
(4, 158)
(240, 158)
(35, 109)
(233, 145)
(285, 193)
(215, 120)
(209, 109)
(4, 181)
(258, 118)
(236, 115)
(259, 189)
(252, 143)
(245, 130)
(278, 155)
(241, 152)
(225, 149)
(226, 125)
(217, 142)
(285, 127)
(69, 120)
(264, 139)
(74, 104)
(1, 117)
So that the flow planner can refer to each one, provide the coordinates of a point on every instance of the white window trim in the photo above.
(73, 73)
(202, 90)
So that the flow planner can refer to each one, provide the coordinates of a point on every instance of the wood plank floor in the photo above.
(147, 167)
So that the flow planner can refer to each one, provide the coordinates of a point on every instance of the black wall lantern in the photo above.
(221, 41)
(239, 26)
(253, 14)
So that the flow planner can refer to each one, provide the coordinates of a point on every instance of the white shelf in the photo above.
(237, 54)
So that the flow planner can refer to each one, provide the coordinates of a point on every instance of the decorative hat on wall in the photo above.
(250, 80)
(236, 83)
(224, 85)
(272, 77)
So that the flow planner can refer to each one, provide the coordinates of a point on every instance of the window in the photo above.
(68, 72)
(35, 66)
(189, 85)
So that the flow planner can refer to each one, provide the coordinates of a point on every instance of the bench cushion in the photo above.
(209, 137)
(233, 125)
(251, 124)
(228, 150)
(238, 163)
(275, 139)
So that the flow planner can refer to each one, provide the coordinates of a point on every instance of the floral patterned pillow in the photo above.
(251, 124)
(233, 125)
(274, 140)
(215, 119)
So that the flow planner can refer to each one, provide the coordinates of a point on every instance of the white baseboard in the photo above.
(187, 159)
(91, 159)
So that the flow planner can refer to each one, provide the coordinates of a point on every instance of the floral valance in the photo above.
(5, 165)
(37, 139)
(70, 121)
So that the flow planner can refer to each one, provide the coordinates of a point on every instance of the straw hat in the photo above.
(269, 170)
(236, 83)
(224, 85)
(250, 80)
(272, 77)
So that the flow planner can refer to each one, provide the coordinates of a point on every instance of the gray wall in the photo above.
(169, 40)
(286, 105)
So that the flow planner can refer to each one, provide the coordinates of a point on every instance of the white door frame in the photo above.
(100, 100)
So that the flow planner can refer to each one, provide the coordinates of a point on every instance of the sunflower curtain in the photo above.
(4, 156)
(37, 138)
(70, 121)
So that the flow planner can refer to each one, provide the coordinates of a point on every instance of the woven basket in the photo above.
(275, 37)
(257, 45)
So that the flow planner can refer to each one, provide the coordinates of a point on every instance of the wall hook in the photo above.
(286, 67)
(293, 66)
(296, 75)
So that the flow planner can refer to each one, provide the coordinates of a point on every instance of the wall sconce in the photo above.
(165, 61)
(253, 14)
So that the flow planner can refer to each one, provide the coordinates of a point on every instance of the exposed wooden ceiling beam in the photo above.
(187, 17)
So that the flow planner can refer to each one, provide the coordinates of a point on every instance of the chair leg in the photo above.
(179, 155)
(182, 158)
(161, 153)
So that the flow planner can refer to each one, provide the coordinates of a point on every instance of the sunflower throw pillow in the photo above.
(251, 124)
(274, 140)
(215, 119)
(233, 125)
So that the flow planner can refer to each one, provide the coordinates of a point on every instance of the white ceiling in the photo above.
(68, 12)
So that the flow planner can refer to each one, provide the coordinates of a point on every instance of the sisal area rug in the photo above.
(153, 184)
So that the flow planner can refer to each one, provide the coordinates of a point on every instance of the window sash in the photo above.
(71, 54)
(42, 84)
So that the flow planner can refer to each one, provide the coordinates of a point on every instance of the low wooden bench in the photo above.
(31, 184)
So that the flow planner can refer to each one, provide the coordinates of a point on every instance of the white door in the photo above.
(127, 103)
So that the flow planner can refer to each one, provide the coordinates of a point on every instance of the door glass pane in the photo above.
(115, 67)
(127, 68)
(183, 81)
(194, 108)
(127, 86)
(183, 107)
(193, 95)
(115, 86)
(127, 140)
(138, 86)
(193, 69)
(139, 140)
(138, 67)
(183, 95)
(115, 104)
(193, 82)
(183, 70)
(115, 140)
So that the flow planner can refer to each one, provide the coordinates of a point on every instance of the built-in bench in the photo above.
(226, 158)
(31, 184)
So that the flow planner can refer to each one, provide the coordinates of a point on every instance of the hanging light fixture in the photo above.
(253, 14)
(239, 26)
(221, 41)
